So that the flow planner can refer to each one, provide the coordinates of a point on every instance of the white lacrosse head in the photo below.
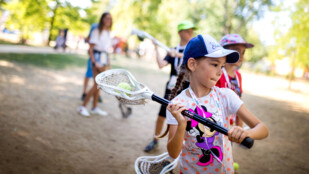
(109, 80)
(160, 164)
(144, 34)
(141, 33)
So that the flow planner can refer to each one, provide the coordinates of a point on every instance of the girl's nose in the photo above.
(219, 72)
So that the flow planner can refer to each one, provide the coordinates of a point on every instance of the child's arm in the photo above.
(258, 130)
(161, 63)
(91, 53)
(176, 132)
(175, 140)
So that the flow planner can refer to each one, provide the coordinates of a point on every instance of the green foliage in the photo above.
(295, 42)
(67, 16)
(259, 51)
(37, 15)
(160, 18)
(299, 31)
(157, 17)
(54, 61)
(30, 17)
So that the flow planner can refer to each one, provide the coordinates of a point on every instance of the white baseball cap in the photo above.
(206, 46)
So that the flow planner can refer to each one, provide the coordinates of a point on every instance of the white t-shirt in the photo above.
(102, 42)
(201, 152)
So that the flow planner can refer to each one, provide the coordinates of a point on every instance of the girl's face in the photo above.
(241, 50)
(107, 20)
(206, 71)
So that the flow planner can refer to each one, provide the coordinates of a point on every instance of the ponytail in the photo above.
(178, 86)
(179, 82)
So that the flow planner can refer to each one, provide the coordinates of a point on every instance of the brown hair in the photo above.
(101, 22)
(180, 79)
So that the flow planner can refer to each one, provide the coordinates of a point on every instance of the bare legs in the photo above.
(86, 81)
(94, 91)
(159, 125)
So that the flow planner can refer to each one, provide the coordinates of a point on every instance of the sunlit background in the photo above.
(277, 28)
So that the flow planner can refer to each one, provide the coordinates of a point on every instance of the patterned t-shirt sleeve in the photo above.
(232, 101)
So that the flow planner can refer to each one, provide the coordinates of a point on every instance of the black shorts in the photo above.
(167, 94)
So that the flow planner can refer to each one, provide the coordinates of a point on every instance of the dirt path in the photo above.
(41, 131)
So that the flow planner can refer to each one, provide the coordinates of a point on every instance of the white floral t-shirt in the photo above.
(206, 150)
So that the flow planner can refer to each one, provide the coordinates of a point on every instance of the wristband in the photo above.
(93, 64)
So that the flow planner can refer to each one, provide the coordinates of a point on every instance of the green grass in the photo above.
(54, 61)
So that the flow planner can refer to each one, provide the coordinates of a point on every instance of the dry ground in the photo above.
(41, 131)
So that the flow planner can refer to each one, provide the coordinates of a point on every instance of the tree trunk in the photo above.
(52, 23)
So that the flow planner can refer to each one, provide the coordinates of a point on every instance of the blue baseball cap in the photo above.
(205, 45)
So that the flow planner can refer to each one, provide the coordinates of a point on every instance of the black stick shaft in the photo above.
(247, 142)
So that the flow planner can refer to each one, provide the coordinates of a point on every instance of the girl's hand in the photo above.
(97, 65)
(237, 134)
(176, 109)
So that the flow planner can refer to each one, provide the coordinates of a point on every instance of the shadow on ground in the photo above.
(42, 132)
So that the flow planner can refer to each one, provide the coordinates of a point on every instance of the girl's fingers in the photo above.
(230, 132)
(178, 106)
(169, 107)
(237, 136)
(243, 136)
(183, 108)
(234, 134)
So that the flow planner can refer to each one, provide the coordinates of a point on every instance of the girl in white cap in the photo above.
(203, 150)
(231, 77)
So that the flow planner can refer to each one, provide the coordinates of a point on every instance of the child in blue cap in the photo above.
(203, 150)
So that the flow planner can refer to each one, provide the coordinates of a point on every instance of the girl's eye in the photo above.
(215, 65)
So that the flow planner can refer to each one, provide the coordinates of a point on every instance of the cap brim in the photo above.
(231, 55)
(187, 27)
(247, 45)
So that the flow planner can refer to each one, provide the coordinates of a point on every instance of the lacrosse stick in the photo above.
(109, 80)
(143, 34)
(155, 164)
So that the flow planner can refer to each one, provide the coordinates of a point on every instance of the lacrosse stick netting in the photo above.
(155, 164)
(109, 80)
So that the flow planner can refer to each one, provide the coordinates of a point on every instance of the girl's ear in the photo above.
(192, 63)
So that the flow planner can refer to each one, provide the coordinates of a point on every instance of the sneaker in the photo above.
(83, 111)
(151, 146)
(98, 111)
(83, 96)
